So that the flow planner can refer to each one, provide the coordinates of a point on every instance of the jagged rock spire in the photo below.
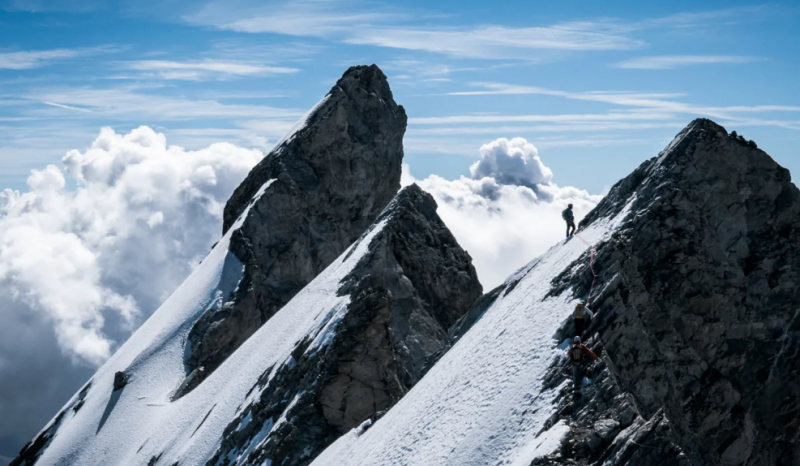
(334, 173)
(356, 130)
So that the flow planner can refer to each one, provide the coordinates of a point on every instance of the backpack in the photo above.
(576, 354)
(578, 314)
(564, 214)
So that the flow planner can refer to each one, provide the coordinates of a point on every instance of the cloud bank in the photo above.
(508, 211)
(95, 260)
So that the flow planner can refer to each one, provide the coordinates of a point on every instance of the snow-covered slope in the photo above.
(140, 422)
(697, 256)
(485, 401)
(222, 420)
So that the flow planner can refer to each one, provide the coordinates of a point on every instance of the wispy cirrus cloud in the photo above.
(29, 59)
(492, 42)
(206, 69)
(53, 104)
(305, 18)
(556, 127)
(668, 62)
(341, 22)
(724, 16)
(647, 102)
(396, 28)
(136, 104)
(491, 118)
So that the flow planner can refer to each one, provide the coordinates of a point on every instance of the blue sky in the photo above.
(597, 86)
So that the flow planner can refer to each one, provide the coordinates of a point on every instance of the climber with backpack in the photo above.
(568, 217)
(581, 317)
(577, 354)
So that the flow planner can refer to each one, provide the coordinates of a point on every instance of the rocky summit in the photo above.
(697, 301)
(333, 174)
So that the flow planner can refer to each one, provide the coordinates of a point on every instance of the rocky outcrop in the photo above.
(120, 380)
(334, 173)
(414, 283)
(697, 306)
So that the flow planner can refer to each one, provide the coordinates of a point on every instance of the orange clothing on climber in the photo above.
(578, 352)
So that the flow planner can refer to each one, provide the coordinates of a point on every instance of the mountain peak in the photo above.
(330, 177)
(357, 120)
(701, 152)
(365, 78)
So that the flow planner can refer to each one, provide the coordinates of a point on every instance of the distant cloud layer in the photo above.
(96, 260)
(93, 260)
(509, 211)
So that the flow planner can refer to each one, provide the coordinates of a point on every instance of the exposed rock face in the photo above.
(333, 176)
(405, 293)
(697, 304)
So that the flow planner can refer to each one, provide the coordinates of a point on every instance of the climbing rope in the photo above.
(591, 266)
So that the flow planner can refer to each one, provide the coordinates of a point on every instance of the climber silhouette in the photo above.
(569, 217)
(582, 317)
(577, 354)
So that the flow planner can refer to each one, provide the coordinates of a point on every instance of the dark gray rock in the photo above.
(120, 380)
(332, 178)
(414, 283)
(696, 311)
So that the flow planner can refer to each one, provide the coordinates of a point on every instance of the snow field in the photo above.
(483, 403)
(132, 425)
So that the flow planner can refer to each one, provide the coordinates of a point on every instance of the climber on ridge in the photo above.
(582, 317)
(568, 216)
(577, 354)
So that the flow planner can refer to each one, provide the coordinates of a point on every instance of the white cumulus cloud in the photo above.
(509, 211)
(511, 162)
(95, 260)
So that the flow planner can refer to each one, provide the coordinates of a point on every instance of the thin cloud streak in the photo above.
(131, 105)
(669, 62)
(303, 18)
(29, 59)
(390, 28)
(53, 104)
(648, 102)
(491, 42)
(539, 118)
(207, 69)
(566, 127)
(384, 29)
